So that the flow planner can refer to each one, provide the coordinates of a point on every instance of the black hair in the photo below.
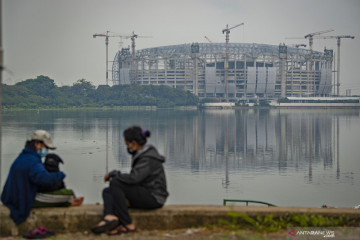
(52, 162)
(30, 144)
(136, 134)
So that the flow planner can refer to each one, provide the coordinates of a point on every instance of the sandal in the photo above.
(108, 226)
(37, 233)
(121, 229)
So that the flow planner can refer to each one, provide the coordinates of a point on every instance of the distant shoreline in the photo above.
(101, 108)
(184, 108)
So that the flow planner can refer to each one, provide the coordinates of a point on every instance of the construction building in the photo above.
(249, 71)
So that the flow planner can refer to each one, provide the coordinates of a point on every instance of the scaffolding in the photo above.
(254, 70)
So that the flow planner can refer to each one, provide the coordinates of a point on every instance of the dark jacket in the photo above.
(51, 164)
(26, 173)
(147, 171)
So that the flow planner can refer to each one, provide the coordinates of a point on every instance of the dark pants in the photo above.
(116, 195)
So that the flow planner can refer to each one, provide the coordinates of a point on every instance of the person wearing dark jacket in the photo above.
(27, 173)
(144, 187)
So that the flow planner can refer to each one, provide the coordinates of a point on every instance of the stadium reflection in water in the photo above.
(247, 140)
(289, 157)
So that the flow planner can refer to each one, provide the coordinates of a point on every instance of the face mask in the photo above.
(131, 152)
(43, 152)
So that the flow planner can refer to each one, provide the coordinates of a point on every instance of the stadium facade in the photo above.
(252, 70)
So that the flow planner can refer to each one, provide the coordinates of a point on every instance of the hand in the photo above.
(113, 173)
(106, 177)
(63, 175)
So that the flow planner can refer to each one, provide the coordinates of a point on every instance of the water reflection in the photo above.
(255, 147)
(201, 141)
(247, 140)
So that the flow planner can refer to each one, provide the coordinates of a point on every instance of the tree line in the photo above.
(42, 92)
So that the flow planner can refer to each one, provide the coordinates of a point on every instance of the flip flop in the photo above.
(108, 226)
(37, 233)
(121, 229)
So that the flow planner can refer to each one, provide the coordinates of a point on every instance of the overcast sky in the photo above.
(54, 37)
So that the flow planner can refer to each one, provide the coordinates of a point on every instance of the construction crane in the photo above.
(338, 55)
(311, 41)
(208, 39)
(106, 35)
(311, 36)
(227, 33)
(133, 36)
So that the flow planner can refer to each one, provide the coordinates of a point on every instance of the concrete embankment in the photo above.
(80, 219)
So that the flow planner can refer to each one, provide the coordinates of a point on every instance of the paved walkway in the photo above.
(177, 234)
(163, 222)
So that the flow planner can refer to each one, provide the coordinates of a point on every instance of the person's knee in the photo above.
(106, 191)
(116, 185)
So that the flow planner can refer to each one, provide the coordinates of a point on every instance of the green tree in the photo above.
(42, 92)
(41, 86)
(82, 89)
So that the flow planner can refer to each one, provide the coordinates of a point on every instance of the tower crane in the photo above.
(338, 55)
(311, 37)
(106, 35)
(133, 36)
(227, 33)
(311, 41)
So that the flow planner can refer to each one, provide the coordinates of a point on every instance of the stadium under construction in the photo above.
(239, 70)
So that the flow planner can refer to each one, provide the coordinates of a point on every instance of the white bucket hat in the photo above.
(43, 136)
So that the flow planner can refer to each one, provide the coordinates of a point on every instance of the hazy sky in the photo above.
(54, 37)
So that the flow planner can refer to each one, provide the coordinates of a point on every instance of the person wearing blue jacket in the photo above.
(26, 174)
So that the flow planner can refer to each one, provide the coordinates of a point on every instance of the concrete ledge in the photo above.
(80, 219)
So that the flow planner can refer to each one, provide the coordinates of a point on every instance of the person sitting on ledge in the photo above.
(26, 174)
(144, 187)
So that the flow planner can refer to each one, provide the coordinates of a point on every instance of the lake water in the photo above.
(287, 157)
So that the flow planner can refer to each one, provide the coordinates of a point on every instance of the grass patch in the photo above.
(271, 223)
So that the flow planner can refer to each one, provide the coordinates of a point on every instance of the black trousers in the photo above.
(116, 195)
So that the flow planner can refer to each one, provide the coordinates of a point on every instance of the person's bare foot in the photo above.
(123, 229)
(130, 227)
(77, 201)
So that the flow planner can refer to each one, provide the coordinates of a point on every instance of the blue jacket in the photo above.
(26, 173)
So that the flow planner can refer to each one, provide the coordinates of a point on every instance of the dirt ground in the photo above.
(187, 234)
